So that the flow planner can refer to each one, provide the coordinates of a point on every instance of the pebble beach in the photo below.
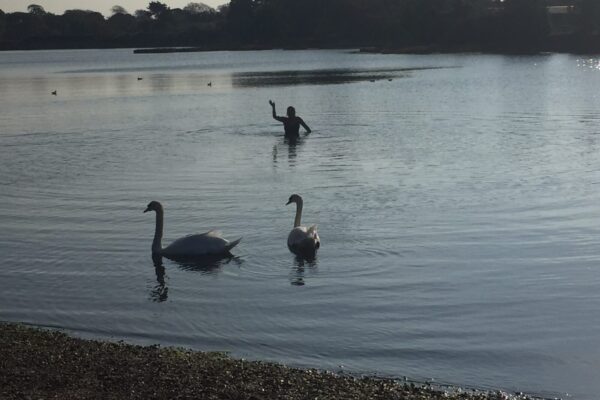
(48, 364)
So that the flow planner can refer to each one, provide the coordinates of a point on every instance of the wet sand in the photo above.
(46, 364)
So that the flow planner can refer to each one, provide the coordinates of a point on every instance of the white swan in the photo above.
(206, 244)
(302, 241)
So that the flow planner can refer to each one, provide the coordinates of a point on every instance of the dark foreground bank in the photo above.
(37, 363)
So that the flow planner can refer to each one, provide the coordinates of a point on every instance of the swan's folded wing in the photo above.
(213, 233)
(304, 241)
(297, 235)
(196, 245)
(302, 238)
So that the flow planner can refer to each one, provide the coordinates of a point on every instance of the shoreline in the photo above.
(42, 363)
(389, 50)
(412, 49)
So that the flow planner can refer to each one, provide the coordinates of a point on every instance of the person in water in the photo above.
(291, 123)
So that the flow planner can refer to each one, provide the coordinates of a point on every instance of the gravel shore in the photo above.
(44, 364)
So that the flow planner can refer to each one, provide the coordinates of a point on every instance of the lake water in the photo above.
(457, 197)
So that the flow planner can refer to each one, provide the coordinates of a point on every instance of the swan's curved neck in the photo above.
(157, 242)
(298, 213)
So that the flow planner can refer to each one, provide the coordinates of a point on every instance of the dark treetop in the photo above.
(388, 25)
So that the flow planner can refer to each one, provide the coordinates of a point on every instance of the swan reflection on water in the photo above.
(160, 291)
(205, 265)
(299, 268)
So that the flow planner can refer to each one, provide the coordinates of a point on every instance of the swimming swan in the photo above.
(206, 244)
(302, 241)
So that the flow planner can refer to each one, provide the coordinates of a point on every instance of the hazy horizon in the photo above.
(102, 6)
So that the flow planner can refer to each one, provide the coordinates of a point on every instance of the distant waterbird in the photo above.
(209, 84)
(207, 244)
(55, 93)
(302, 241)
(139, 78)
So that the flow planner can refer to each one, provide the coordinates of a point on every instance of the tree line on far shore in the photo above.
(427, 25)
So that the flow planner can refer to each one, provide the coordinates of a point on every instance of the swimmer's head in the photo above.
(291, 111)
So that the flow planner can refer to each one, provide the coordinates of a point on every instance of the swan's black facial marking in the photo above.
(152, 206)
(293, 199)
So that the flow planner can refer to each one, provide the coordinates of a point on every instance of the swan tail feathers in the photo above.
(231, 245)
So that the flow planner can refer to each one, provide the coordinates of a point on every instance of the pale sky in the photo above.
(103, 6)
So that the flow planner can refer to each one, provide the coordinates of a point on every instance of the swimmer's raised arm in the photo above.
(275, 117)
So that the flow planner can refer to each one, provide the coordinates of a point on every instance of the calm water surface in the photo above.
(457, 198)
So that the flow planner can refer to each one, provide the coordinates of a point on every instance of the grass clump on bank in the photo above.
(42, 364)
